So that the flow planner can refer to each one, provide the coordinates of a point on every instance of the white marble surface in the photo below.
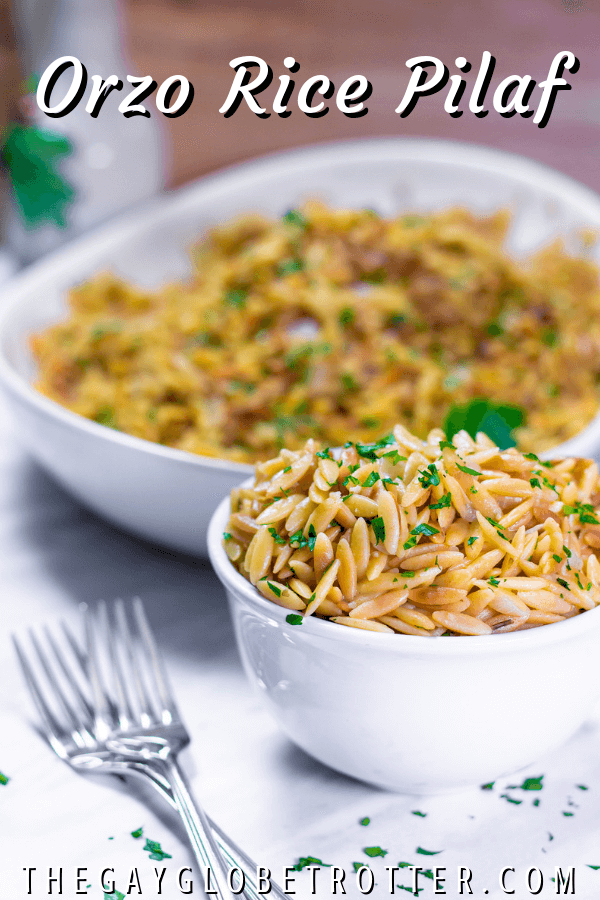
(275, 801)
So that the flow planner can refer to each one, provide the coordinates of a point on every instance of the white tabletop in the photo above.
(270, 797)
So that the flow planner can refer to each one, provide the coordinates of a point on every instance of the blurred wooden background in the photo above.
(374, 38)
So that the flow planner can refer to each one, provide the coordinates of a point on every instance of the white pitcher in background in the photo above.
(116, 161)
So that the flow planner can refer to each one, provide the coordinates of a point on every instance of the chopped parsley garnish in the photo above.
(155, 851)
(4, 779)
(368, 451)
(324, 454)
(511, 799)
(349, 382)
(557, 558)
(585, 511)
(568, 814)
(582, 787)
(137, 833)
(394, 457)
(289, 266)
(378, 529)
(357, 866)
(236, 298)
(295, 217)
(106, 416)
(535, 483)
(467, 470)
(428, 852)
(305, 861)
(312, 537)
(443, 503)
(489, 786)
(276, 590)
(298, 538)
(350, 479)
(533, 784)
(493, 581)
(346, 316)
(567, 552)
(276, 537)
(429, 477)
(447, 444)
(427, 873)
(417, 812)
(294, 619)
(498, 421)
(371, 479)
(549, 337)
(286, 470)
(563, 583)
(593, 867)
(471, 540)
(374, 851)
(365, 821)
(425, 529)
(536, 802)
(115, 895)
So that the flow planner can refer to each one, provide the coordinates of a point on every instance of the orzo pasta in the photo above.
(421, 537)
(331, 323)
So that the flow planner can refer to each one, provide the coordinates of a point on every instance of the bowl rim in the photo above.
(240, 588)
(166, 207)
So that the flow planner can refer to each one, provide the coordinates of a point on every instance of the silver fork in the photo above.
(133, 726)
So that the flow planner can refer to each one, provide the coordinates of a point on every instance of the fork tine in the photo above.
(100, 698)
(69, 673)
(73, 721)
(144, 701)
(169, 708)
(55, 733)
(79, 654)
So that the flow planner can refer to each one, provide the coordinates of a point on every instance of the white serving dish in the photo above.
(413, 714)
(165, 495)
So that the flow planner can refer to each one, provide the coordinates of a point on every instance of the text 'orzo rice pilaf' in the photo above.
(421, 537)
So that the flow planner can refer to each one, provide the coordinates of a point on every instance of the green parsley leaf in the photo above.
(447, 444)
(324, 454)
(582, 787)
(535, 483)
(563, 583)
(405, 865)
(349, 382)
(236, 297)
(493, 581)
(427, 873)
(295, 217)
(593, 867)
(394, 457)
(468, 470)
(489, 786)
(155, 851)
(346, 316)
(115, 895)
(417, 812)
(305, 861)
(288, 266)
(429, 477)
(471, 540)
(557, 558)
(137, 833)
(428, 852)
(106, 416)
(276, 590)
(443, 503)
(498, 421)
(511, 799)
(357, 866)
(4, 779)
(276, 537)
(536, 802)
(294, 619)
(312, 537)
(365, 821)
(374, 851)
(533, 784)
(425, 529)
(371, 479)
(368, 451)
(378, 529)
(568, 814)
(298, 538)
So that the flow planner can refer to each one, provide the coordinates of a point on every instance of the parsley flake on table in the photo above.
(4, 779)
(115, 895)
(427, 873)
(374, 851)
(489, 786)
(378, 529)
(404, 887)
(137, 833)
(365, 821)
(424, 852)
(593, 867)
(568, 814)
(510, 799)
(582, 787)
(155, 851)
(536, 802)
(294, 619)
(417, 812)
(532, 784)
(304, 861)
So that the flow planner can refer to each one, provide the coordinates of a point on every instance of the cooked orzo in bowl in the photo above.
(334, 323)
(421, 537)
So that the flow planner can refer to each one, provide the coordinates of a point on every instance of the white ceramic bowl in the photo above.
(165, 495)
(417, 715)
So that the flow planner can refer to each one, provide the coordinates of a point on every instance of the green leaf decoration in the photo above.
(30, 156)
(497, 420)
